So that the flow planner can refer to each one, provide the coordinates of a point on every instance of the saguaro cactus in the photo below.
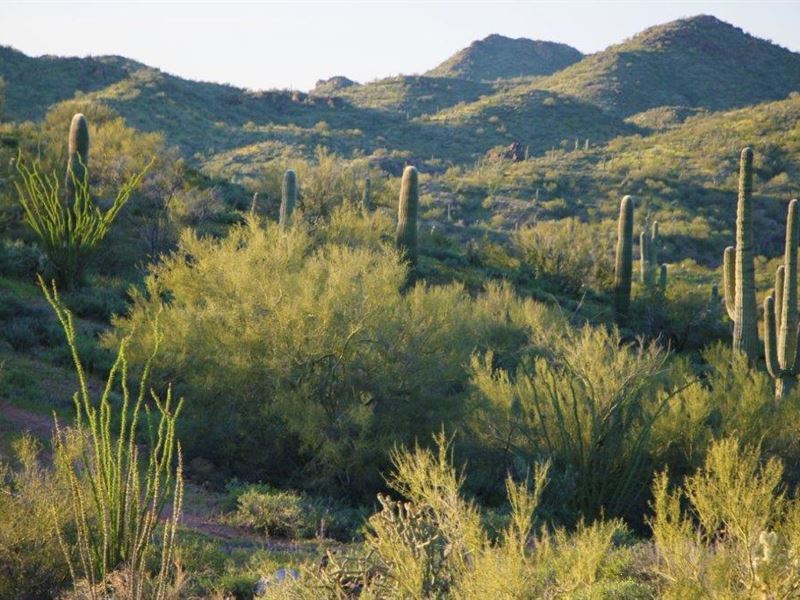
(407, 215)
(366, 198)
(78, 154)
(288, 197)
(649, 246)
(781, 335)
(623, 270)
(739, 269)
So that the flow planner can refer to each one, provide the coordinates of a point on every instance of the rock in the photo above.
(279, 576)
(514, 152)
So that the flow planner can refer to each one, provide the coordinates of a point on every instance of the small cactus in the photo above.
(288, 197)
(407, 216)
(781, 334)
(624, 261)
(78, 154)
(739, 268)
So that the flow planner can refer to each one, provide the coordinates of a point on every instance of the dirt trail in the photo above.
(40, 426)
(192, 517)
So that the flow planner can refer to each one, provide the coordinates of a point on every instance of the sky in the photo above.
(264, 45)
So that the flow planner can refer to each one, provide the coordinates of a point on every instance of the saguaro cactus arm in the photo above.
(779, 277)
(729, 280)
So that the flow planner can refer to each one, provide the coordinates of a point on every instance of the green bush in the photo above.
(589, 404)
(570, 253)
(33, 498)
(306, 351)
(730, 531)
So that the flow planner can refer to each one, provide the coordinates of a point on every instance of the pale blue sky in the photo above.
(263, 45)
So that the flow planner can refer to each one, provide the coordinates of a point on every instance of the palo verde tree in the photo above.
(69, 225)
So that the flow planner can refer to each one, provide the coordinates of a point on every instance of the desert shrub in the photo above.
(306, 351)
(98, 302)
(19, 260)
(327, 181)
(291, 514)
(738, 534)
(733, 399)
(430, 544)
(568, 252)
(33, 501)
(589, 403)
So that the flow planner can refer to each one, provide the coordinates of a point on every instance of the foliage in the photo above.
(68, 232)
(589, 404)
(32, 564)
(431, 545)
(740, 538)
(306, 350)
(116, 522)
(573, 254)
(295, 515)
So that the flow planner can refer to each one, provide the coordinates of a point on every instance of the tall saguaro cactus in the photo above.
(288, 197)
(78, 155)
(623, 270)
(781, 335)
(739, 268)
(406, 237)
(366, 198)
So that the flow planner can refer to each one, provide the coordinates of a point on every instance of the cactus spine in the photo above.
(407, 216)
(288, 197)
(78, 154)
(624, 263)
(739, 274)
(781, 334)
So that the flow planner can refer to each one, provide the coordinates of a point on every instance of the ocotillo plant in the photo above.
(288, 197)
(78, 155)
(366, 198)
(117, 525)
(407, 216)
(624, 264)
(739, 270)
(69, 232)
(781, 335)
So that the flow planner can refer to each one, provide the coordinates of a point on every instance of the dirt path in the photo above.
(40, 426)
(199, 513)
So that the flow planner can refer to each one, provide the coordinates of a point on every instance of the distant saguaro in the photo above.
(407, 215)
(288, 197)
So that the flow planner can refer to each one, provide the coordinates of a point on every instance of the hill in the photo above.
(33, 84)
(415, 95)
(700, 62)
(500, 57)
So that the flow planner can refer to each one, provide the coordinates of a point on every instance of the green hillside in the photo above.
(500, 57)
(695, 62)
(33, 84)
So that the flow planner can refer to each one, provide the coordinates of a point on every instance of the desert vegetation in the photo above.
(285, 369)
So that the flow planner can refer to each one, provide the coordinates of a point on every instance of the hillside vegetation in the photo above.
(524, 326)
